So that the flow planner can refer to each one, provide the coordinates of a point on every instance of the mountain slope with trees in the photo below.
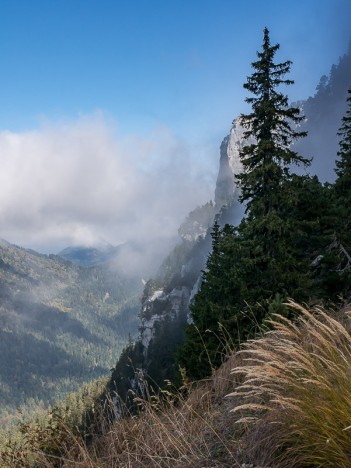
(294, 242)
(60, 325)
(323, 113)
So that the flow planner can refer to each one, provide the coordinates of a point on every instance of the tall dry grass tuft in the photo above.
(169, 431)
(192, 428)
(297, 388)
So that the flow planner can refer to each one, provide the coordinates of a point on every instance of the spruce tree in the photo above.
(253, 268)
(264, 182)
(266, 162)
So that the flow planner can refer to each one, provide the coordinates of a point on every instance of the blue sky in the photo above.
(180, 63)
(100, 100)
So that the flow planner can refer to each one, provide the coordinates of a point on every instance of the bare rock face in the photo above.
(229, 165)
(167, 300)
(235, 144)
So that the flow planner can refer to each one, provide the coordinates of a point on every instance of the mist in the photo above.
(80, 183)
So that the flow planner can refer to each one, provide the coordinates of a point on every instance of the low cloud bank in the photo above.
(78, 183)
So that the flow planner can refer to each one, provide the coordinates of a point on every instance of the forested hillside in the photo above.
(60, 325)
(293, 242)
(323, 112)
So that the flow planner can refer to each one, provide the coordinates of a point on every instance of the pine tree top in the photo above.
(272, 124)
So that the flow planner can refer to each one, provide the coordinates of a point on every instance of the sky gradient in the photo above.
(134, 85)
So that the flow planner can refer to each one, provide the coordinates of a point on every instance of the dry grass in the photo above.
(297, 390)
(291, 394)
(171, 432)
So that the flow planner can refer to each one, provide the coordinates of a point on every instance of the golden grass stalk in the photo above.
(170, 430)
(297, 379)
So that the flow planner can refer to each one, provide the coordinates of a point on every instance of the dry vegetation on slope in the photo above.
(284, 400)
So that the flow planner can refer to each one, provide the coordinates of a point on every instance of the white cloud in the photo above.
(77, 183)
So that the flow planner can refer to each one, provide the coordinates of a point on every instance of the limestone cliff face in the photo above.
(235, 144)
(168, 298)
(230, 164)
(225, 178)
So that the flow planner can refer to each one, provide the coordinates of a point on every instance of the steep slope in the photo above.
(323, 113)
(167, 298)
(60, 325)
(259, 409)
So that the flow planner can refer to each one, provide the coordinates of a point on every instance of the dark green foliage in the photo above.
(161, 365)
(51, 431)
(252, 269)
(216, 306)
(266, 162)
(343, 172)
(129, 363)
(269, 231)
(339, 256)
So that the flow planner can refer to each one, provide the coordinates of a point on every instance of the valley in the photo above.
(61, 325)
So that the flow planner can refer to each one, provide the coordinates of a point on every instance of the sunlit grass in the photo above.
(297, 380)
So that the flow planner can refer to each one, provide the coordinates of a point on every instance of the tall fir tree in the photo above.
(268, 229)
(253, 268)
(266, 162)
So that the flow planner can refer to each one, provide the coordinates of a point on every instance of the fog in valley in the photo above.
(80, 184)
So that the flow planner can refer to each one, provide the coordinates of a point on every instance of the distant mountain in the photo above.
(133, 259)
(88, 256)
(60, 324)
(323, 113)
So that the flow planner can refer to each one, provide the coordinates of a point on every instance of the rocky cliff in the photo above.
(229, 165)
(166, 301)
